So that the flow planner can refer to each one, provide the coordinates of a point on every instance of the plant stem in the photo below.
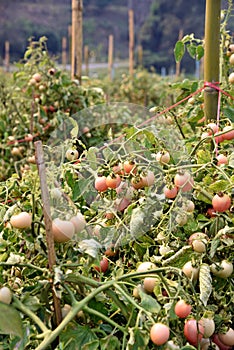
(20, 306)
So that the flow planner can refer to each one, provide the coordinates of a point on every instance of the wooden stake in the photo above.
(69, 43)
(110, 56)
(64, 52)
(48, 223)
(180, 36)
(74, 41)
(79, 40)
(7, 56)
(211, 57)
(86, 59)
(131, 41)
(140, 55)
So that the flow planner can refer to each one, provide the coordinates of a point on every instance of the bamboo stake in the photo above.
(79, 39)
(131, 41)
(110, 56)
(64, 52)
(180, 36)
(211, 57)
(74, 39)
(86, 59)
(48, 223)
(7, 56)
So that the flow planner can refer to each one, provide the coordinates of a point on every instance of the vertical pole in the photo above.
(79, 39)
(180, 36)
(69, 44)
(140, 55)
(211, 57)
(64, 52)
(131, 41)
(86, 59)
(74, 39)
(7, 56)
(110, 56)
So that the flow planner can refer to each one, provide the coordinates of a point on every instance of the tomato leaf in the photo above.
(90, 247)
(91, 157)
(110, 342)
(188, 347)
(136, 221)
(75, 338)
(179, 51)
(149, 303)
(93, 345)
(138, 339)
(205, 283)
(219, 186)
(199, 52)
(10, 323)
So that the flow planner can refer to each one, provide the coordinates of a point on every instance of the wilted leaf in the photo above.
(136, 221)
(93, 345)
(179, 50)
(205, 283)
(138, 339)
(90, 247)
(10, 321)
(91, 157)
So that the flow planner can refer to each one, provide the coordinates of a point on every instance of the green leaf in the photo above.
(188, 347)
(110, 342)
(179, 51)
(219, 186)
(11, 323)
(93, 345)
(74, 338)
(192, 50)
(75, 130)
(149, 303)
(90, 247)
(229, 113)
(91, 158)
(203, 156)
(199, 52)
(205, 283)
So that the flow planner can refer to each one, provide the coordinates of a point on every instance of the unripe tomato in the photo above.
(148, 179)
(5, 295)
(117, 169)
(206, 344)
(163, 157)
(129, 167)
(222, 159)
(113, 181)
(72, 154)
(189, 206)
(159, 333)
(193, 331)
(170, 193)
(231, 59)
(37, 77)
(21, 220)
(182, 309)
(209, 326)
(190, 271)
(227, 338)
(62, 230)
(78, 222)
(146, 266)
(103, 265)
(100, 184)
(229, 132)
(184, 181)
(198, 241)
(221, 202)
(149, 283)
(223, 269)
(231, 78)
(136, 291)
(212, 128)
(65, 310)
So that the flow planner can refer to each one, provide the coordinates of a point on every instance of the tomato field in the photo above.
(116, 207)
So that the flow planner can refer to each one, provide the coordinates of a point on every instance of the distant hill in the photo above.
(157, 25)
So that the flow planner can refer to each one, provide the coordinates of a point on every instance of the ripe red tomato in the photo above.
(103, 266)
(100, 184)
(184, 181)
(182, 309)
(227, 338)
(148, 179)
(211, 212)
(159, 333)
(129, 167)
(212, 128)
(217, 341)
(221, 202)
(137, 183)
(113, 181)
(229, 132)
(170, 193)
(193, 331)
(117, 169)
